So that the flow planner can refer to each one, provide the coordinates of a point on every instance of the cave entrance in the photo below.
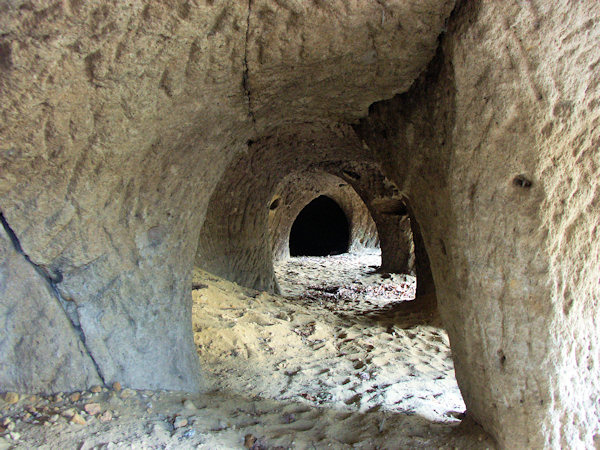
(320, 229)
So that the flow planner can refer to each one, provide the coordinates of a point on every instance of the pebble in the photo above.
(58, 398)
(75, 396)
(15, 436)
(53, 418)
(106, 416)
(96, 389)
(179, 422)
(189, 405)
(77, 419)
(11, 398)
(69, 412)
(10, 426)
(5, 421)
(127, 393)
(116, 386)
(92, 408)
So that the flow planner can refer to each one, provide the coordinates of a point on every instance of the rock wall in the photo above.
(38, 330)
(118, 120)
(497, 149)
(108, 119)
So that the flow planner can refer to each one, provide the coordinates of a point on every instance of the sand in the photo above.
(328, 364)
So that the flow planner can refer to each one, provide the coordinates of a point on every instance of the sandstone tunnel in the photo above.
(139, 140)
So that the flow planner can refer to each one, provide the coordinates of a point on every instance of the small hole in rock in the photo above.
(522, 181)
(274, 204)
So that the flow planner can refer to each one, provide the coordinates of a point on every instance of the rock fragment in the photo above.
(106, 416)
(11, 398)
(92, 408)
(68, 413)
(249, 440)
(127, 393)
(179, 422)
(78, 420)
(189, 405)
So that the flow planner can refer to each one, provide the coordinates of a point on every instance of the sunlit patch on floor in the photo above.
(336, 342)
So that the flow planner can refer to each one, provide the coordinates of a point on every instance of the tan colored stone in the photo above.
(106, 416)
(92, 408)
(96, 389)
(11, 398)
(180, 422)
(78, 420)
(68, 413)
(189, 405)
(75, 396)
(116, 386)
(127, 393)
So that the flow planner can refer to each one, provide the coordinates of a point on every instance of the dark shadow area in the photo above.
(320, 229)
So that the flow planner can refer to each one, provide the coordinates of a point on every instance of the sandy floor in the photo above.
(330, 366)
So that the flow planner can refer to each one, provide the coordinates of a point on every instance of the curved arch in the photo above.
(233, 241)
(296, 190)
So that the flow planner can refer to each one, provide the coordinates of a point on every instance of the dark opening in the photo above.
(320, 229)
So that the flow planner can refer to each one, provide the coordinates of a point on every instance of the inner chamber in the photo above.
(321, 229)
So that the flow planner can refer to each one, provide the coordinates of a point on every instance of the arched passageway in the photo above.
(321, 229)
(127, 132)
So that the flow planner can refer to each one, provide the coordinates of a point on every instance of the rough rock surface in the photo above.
(39, 345)
(119, 121)
(505, 131)
(234, 240)
(299, 189)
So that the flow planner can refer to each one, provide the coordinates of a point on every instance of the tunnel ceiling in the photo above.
(329, 60)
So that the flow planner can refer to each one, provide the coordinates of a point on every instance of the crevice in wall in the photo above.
(52, 280)
(246, 75)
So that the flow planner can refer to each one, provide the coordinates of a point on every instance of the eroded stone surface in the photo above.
(298, 189)
(235, 241)
(119, 120)
(505, 132)
(40, 348)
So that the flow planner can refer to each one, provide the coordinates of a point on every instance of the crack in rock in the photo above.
(69, 311)
(246, 74)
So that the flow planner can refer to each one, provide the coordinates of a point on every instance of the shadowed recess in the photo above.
(320, 229)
